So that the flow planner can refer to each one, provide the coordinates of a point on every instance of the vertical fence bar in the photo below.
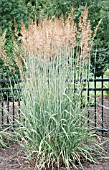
(102, 103)
(7, 96)
(7, 99)
(95, 97)
(19, 98)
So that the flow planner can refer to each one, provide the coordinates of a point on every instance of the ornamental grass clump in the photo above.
(53, 128)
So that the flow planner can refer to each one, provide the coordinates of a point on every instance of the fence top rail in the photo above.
(98, 80)
(95, 89)
(93, 80)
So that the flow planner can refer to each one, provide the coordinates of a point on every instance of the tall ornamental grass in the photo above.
(53, 128)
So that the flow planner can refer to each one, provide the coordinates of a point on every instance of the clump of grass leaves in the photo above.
(53, 127)
(5, 137)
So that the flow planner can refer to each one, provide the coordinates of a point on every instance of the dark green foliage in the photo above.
(51, 7)
(10, 10)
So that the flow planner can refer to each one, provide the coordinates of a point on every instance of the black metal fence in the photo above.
(97, 97)
(9, 102)
(98, 103)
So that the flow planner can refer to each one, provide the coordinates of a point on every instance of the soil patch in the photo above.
(11, 159)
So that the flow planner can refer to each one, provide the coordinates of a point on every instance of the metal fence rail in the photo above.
(9, 102)
(98, 105)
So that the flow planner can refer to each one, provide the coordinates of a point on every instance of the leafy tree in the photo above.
(51, 7)
(10, 9)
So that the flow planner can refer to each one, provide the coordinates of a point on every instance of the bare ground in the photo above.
(11, 159)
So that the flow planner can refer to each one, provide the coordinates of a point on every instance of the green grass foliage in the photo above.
(53, 129)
